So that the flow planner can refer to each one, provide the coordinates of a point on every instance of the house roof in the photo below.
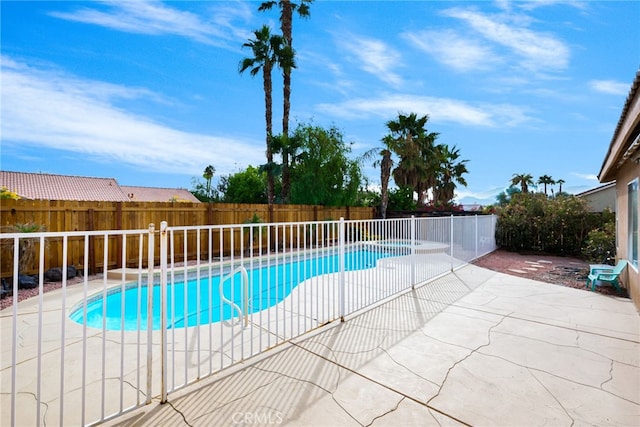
(625, 142)
(153, 194)
(44, 186)
(598, 189)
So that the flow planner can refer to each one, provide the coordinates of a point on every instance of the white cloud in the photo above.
(611, 87)
(155, 18)
(453, 50)
(51, 110)
(374, 57)
(536, 51)
(586, 176)
(535, 4)
(438, 109)
(485, 196)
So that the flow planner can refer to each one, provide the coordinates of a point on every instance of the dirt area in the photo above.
(565, 271)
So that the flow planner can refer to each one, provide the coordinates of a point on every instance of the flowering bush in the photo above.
(5, 193)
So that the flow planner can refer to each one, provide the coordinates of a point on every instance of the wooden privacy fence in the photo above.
(63, 215)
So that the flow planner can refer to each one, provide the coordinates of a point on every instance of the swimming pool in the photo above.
(268, 285)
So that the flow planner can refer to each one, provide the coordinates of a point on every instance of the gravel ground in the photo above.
(23, 294)
(564, 271)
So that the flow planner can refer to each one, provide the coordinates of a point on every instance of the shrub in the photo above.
(27, 249)
(534, 222)
(600, 243)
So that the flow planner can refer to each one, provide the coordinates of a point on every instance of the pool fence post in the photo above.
(451, 241)
(476, 256)
(413, 251)
(341, 252)
(150, 262)
(163, 310)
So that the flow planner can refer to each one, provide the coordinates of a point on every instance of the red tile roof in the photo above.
(154, 194)
(44, 186)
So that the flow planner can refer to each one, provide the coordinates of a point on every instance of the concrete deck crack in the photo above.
(43, 403)
(573, 421)
(385, 386)
(610, 375)
(560, 377)
(179, 412)
(395, 408)
(408, 369)
(444, 381)
(329, 392)
(238, 398)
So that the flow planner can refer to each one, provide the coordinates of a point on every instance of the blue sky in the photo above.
(149, 92)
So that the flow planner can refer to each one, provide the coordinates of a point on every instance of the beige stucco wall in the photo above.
(631, 277)
(601, 200)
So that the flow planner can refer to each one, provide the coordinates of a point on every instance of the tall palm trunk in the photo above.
(385, 175)
(268, 115)
(286, 28)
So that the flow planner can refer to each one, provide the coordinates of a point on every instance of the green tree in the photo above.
(386, 165)
(268, 50)
(288, 148)
(199, 190)
(322, 172)
(560, 182)
(287, 8)
(208, 173)
(505, 197)
(401, 199)
(546, 180)
(248, 186)
(415, 148)
(524, 180)
(449, 171)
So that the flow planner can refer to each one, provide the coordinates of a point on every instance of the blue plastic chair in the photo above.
(598, 273)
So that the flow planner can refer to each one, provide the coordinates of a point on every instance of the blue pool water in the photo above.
(267, 287)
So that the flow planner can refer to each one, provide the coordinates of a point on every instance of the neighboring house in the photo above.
(601, 198)
(153, 194)
(622, 164)
(44, 186)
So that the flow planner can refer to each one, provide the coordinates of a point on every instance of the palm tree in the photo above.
(287, 8)
(267, 49)
(415, 147)
(449, 171)
(560, 182)
(385, 164)
(209, 171)
(546, 180)
(524, 180)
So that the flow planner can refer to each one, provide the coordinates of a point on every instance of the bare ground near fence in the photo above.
(565, 271)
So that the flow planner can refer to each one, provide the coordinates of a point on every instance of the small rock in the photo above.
(27, 282)
(55, 274)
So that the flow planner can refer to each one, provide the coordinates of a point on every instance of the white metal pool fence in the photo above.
(259, 285)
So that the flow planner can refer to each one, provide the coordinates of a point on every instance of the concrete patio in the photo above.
(474, 347)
